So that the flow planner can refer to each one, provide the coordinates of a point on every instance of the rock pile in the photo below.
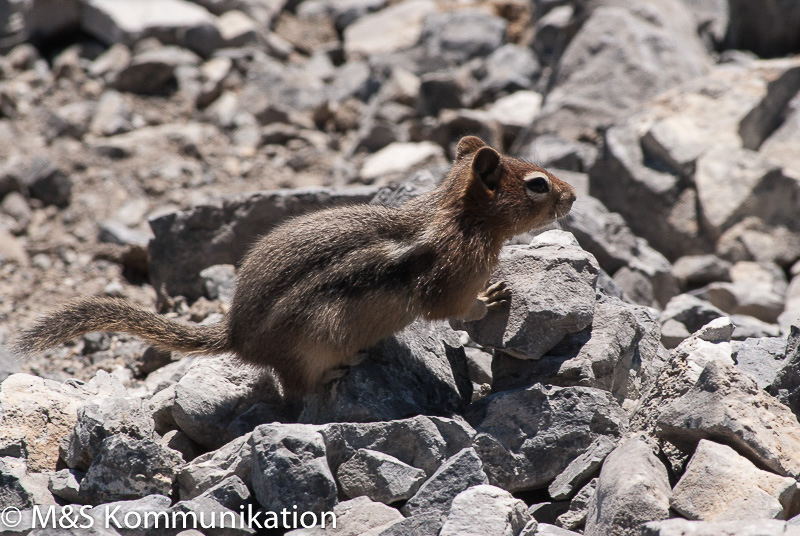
(644, 379)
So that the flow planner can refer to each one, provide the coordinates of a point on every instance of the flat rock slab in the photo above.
(380, 477)
(581, 469)
(633, 489)
(527, 437)
(727, 406)
(721, 485)
(553, 294)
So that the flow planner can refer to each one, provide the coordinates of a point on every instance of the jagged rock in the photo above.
(422, 442)
(21, 489)
(527, 437)
(460, 35)
(426, 358)
(113, 514)
(389, 30)
(633, 489)
(172, 22)
(456, 474)
(547, 512)
(127, 468)
(485, 509)
(683, 527)
(66, 483)
(756, 289)
(786, 385)
(380, 477)
(221, 233)
(611, 46)
(357, 516)
(699, 270)
(552, 281)
(211, 468)
(754, 239)
(682, 369)
(683, 315)
(760, 358)
(575, 515)
(290, 469)
(581, 469)
(42, 412)
(103, 418)
(727, 406)
(619, 352)
(721, 485)
(213, 392)
(225, 501)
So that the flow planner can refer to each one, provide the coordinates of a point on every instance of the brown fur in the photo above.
(320, 288)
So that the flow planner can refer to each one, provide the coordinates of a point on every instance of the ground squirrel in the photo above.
(316, 291)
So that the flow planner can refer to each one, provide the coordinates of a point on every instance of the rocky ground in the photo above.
(644, 381)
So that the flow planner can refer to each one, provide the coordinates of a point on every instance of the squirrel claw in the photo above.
(496, 295)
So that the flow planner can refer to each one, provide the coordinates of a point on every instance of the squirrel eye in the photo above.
(538, 185)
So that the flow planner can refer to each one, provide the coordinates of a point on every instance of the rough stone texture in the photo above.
(786, 386)
(104, 418)
(421, 442)
(456, 474)
(527, 437)
(619, 352)
(581, 469)
(545, 529)
(760, 358)
(380, 477)
(126, 468)
(552, 281)
(727, 406)
(633, 489)
(359, 516)
(683, 527)
(609, 51)
(211, 468)
(682, 369)
(21, 489)
(213, 392)
(485, 509)
(426, 358)
(221, 233)
(721, 485)
(575, 515)
(65, 484)
(290, 468)
(690, 311)
(698, 270)
(388, 30)
(42, 412)
(113, 514)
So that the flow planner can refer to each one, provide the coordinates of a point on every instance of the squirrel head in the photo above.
(512, 196)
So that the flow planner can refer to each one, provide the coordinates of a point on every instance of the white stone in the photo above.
(398, 158)
(516, 110)
(485, 509)
(388, 30)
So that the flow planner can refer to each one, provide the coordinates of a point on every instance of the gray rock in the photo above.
(550, 530)
(172, 22)
(219, 281)
(422, 442)
(552, 282)
(683, 527)
(112, 116)
(619, 352)
(760, 358)
(216, 390)
(727, 406)
(552, 151)
(682, 369)
(575, 515)
(479, 364)
(721, 485)
(356, 516)
(485, 509)
(510, 68)
(547, 512)
(66, 485)
(290, 469)
(13, 491)
(439, 91)
(698, 270)
(459, 35)
(422, 524)
(527, 437)
(768, 32)
(112, 515)
(103, 418)
(456, 474)
(748, 327)
(46, 182)
(426, 358)
(581, 469)
(516, 111)
(611, 46)
(148, 73)
(683, 315)
(633, 489)
(221, 233)
(786, 385)
(225, 501)
(398, 159)
(126, 468)
(380, 477)
(753, 239)
(391, 29)
(212, 468)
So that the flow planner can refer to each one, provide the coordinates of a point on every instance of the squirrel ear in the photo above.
(486, 167)
(468, 145)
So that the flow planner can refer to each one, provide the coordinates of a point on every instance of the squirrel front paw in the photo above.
(496, 296)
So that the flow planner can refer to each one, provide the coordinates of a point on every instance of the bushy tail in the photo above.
(111, 314)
